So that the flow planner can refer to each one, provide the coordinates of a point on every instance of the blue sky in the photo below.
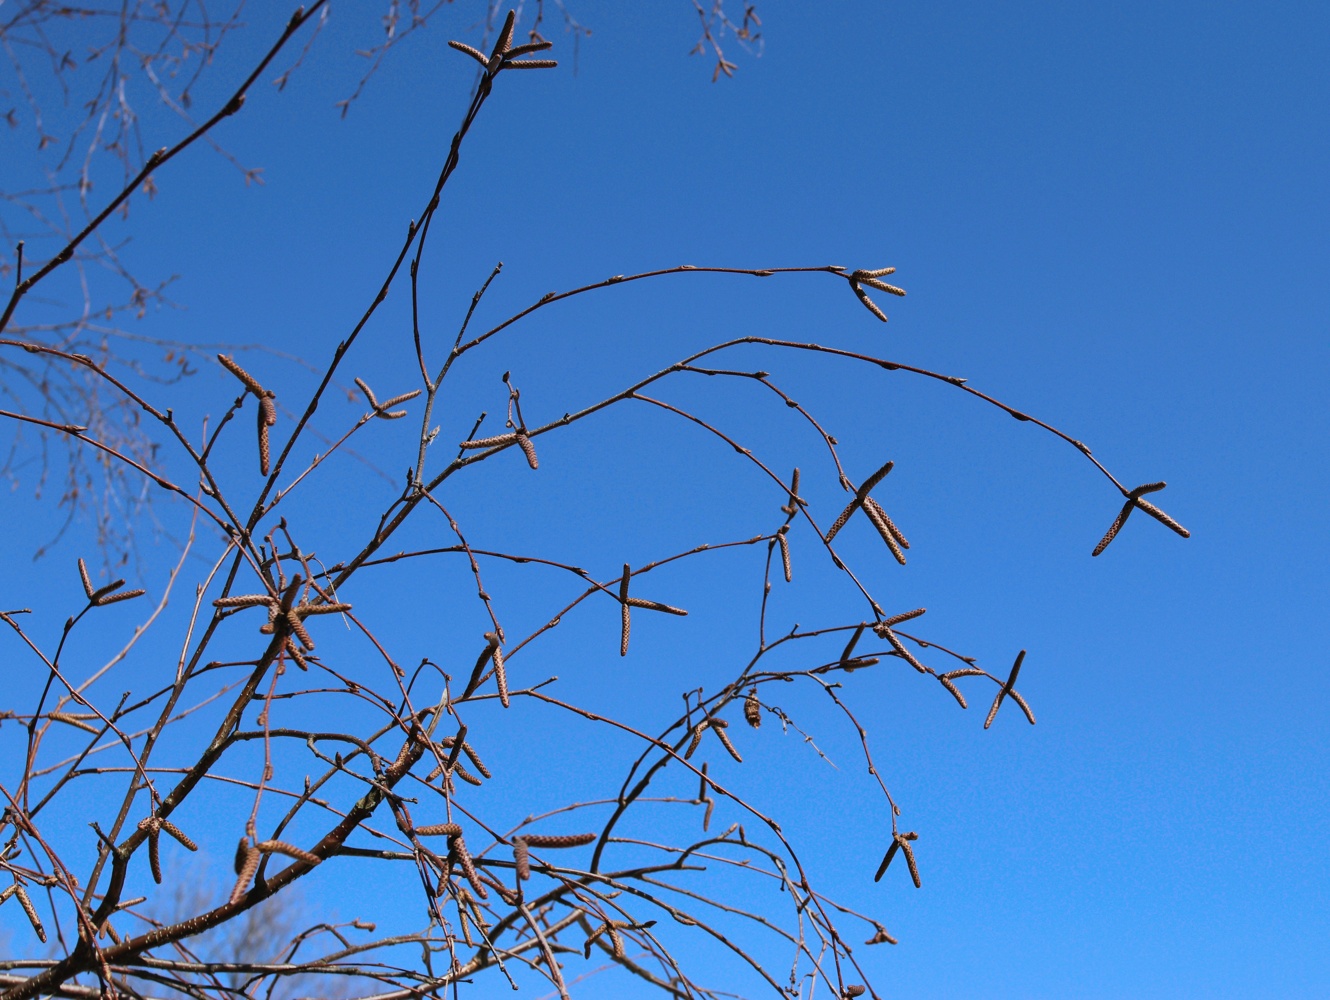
(1114, 218)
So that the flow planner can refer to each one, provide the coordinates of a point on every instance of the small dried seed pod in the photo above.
(753, 709)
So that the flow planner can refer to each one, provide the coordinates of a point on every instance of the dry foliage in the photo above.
(398, 778)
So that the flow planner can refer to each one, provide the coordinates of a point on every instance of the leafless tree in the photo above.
(82, 77)
(393, 758)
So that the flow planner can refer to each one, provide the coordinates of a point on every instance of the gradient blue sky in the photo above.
(1114, 217)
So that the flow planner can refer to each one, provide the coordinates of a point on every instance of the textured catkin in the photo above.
(475, 759)
(298, 630)
(891, 525)
(550, 840)
(626, 623)
(473, 53)
(290, 850)
(265, 452)
(890, 636)
(124, 595)
(1163, 518)
(250, 382)
(87, 583)
(955, 691)
(697, 739)
(500, 674)
(528, 449)
(465, 775)
(669, 609)
(154, 855)
(997, 703)
(459, 851)
(840, 522)
(785, 553)
(903, 617)
(854, 991)
(522, 858)
(1015, 696)
(753, 710)
(909, 860)
(267, 409)
(31, 911)
(439, 830)
(868, 303)
(1114, 528)
(874, 479)
(592, 938)
(725, 742)
(242, 853)
(877, 517)
(244, 601)
(489, 442)
(247, 870)
(886, 861)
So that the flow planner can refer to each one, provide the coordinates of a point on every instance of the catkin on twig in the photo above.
(528, 448)
(83, 575)
(249, 381)
(439, 830)
(561, 840)
(31, 912)
(291, 851)
(522, 858)
(698, 730)
(500, 674)
(176, 832)
(489, 442)
(784, 544)
(955, 691)
(626, 621)
(792, 507)
(909, 860)
(725, 742)
(247, 870)
(878, 518)
(154, 856)
(884, 631)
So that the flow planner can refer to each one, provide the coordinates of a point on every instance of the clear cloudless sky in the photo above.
(1115, 217)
